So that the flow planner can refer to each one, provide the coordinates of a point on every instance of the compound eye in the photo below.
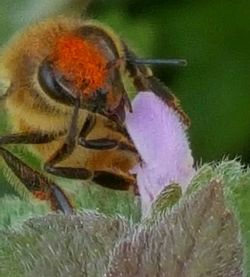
(54, 85)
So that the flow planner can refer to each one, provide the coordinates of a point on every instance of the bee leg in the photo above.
(103, 178)
(113, 180)
(144, 80)
(101, 143)
(40, 186)
(67, 148)
(29, 138)
(80, 173)
(106, 144)
(64, 151)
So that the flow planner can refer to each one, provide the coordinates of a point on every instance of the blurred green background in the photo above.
(212, 35)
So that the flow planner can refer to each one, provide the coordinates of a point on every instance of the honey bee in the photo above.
(67, 99)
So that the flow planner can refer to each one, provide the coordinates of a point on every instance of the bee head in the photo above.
(79, 68)
(80, 63)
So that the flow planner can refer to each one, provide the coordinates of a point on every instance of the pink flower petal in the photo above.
(160, 138)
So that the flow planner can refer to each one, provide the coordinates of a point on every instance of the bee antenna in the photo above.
(171, 62)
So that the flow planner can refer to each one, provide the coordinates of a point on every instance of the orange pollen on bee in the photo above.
(41, 195)
(81, 63)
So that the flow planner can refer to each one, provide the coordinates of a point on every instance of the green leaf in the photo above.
(58, 245)
(198, 237)
(166, 199)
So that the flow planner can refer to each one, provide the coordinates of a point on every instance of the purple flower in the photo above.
(160, 138)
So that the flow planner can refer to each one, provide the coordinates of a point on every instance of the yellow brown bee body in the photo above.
(67, 99)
